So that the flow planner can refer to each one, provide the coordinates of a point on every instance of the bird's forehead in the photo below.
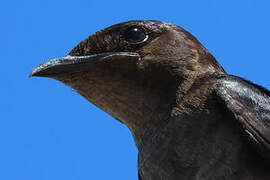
(149, 25)
(108, 39)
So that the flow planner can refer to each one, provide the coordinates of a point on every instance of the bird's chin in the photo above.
(71, 64)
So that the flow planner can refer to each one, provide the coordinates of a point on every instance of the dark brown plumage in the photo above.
(189, 119)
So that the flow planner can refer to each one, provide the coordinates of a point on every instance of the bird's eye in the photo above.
(135, 35)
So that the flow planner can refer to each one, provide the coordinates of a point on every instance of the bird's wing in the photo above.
(250, 105)
(139, 176)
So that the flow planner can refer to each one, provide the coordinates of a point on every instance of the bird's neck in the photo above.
(197, 140)
(171, 100)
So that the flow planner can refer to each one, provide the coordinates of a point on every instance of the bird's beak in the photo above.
(68, 63)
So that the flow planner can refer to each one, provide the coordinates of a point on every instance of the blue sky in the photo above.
(47, 131)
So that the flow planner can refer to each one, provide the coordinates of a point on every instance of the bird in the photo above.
(190, 120)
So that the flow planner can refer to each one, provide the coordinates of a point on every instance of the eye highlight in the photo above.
(135, 35)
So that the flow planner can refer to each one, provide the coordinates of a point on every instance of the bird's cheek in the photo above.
(144, 62)
(141, 65)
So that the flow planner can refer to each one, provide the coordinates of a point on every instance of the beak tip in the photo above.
(34, 72)
(38, 71)
(31, 74)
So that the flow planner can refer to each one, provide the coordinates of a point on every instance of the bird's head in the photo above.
(133, 70)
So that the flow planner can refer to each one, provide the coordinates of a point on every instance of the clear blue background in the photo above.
(47, 131)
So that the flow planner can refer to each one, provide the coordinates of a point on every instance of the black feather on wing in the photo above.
(139, 176)
(250, 105)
